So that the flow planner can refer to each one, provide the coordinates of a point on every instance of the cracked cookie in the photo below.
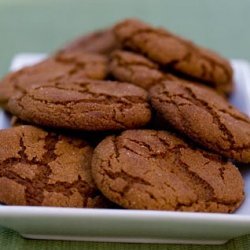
(83, 104)
(205, 117)
(61, 65)
(148, 169)
(176, 54)
(101, 41)
(134, 68)
(41, 168)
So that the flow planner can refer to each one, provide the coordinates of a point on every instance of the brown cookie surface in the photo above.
(83, 105)
(41, 168)
(205, 117)
(60, 66)
(134, 68)
(101, 41)
(147, 169)
(175, 53)
(130, 67)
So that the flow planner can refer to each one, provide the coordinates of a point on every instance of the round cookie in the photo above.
(61, 65)
(205, 117)
(83, 105)
(176, 54)
(148, 169)
(101, 41)
(41, 168)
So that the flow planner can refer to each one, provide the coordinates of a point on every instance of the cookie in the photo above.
(176, 54)
(41, 168)
(101, 41)
(83, 105)
(148, 169)
(205, 117)
(134, 68)
(61, 65)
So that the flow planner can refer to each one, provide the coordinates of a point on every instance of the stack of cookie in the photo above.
(133, 117)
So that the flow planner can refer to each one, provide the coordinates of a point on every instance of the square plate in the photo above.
(118, 225)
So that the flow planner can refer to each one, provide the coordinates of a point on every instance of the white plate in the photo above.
(134, 225)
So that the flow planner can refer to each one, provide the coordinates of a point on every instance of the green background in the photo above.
(42, 26)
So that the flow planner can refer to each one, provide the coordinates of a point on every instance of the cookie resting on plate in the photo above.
(148, 169)
(41, 168)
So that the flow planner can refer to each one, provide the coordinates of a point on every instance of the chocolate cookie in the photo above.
(61, 65)
(41, 168)
(205, 117)
(101, 41)
(83, 104)
(147, 169)
(176, 54)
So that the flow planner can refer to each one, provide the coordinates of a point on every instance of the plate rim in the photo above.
(57, 212)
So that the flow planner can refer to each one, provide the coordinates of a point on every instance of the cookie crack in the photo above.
(132, 151)
(222, 172)
(40, 179)
(97, 98)
(51, 141)
(114, 118)
(65, 188)
(126, 177)
(142, 144)
(152, 153)
(222, 127)
(73, 102)
(194, 178)
(116, 149)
